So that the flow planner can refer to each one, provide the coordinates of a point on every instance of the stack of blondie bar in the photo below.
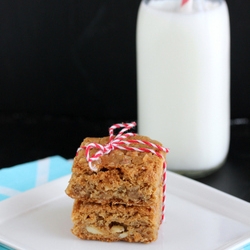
(122, 199)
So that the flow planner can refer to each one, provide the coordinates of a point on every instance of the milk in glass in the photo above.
(183, 81)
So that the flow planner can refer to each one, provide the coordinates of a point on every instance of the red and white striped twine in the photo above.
(118, 142)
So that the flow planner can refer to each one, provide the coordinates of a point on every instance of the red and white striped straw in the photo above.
(187, 6)
(184, 2)
(118, 142)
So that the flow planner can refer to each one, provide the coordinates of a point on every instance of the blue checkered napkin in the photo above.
(20, 178)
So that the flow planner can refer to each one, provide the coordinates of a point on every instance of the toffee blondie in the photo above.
(122, 199)
(123, 177)
(116, 222)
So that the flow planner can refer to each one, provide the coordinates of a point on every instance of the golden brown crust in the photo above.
(129, 177)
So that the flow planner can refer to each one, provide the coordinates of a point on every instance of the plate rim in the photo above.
(177, 185)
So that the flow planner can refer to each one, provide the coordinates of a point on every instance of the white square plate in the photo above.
(197, 217)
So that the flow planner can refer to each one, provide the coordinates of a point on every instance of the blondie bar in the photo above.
(116, 222)
(123, 177)
(118, 187)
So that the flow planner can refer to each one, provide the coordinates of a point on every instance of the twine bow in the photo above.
(119, 142)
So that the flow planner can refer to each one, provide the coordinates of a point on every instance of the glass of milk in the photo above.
(183, 81)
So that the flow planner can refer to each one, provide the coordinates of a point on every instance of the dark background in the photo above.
(65, 57)
(68, 70)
